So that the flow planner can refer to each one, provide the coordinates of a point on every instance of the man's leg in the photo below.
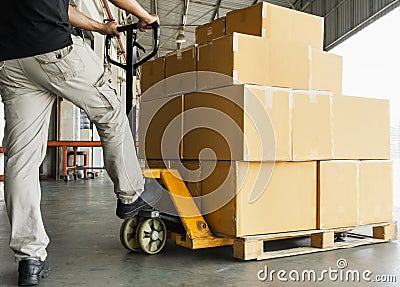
(73, 73)
(27, 112)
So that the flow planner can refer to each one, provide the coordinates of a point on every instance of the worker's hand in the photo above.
(110, 28)
(144, 24)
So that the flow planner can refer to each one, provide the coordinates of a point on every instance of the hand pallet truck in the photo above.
(149, 230)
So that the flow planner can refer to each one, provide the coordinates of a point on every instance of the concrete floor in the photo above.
(85, 250)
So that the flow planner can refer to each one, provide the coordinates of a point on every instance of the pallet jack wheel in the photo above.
(128, 234)
(152, 235)
(340, 237)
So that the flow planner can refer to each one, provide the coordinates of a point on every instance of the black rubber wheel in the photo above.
(341, 236)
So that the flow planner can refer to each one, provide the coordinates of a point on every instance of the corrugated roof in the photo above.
(343, 18)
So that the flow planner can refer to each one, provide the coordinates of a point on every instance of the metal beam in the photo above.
(305, 6)
(211, 5)
(216, 10)
(291, 4)
(297, 4)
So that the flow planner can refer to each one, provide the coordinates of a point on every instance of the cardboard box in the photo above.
(257, 123)
(255, 203)
(326, 72)
(311, 117)
(152, 76)
(277, 23)
(337, 194)
(375, 192)
(160, 128)
(180, 71)
(361, 128)
(210, 31)
(241, 122)
(245, 59)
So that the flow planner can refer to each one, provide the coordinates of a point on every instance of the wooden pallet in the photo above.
(252, 247)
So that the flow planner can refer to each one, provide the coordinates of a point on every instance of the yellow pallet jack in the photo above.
(150, 229)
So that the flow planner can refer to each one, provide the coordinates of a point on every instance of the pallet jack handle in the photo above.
(132, 62)
(132, 30)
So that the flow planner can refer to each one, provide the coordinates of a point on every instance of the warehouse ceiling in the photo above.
(343, 18)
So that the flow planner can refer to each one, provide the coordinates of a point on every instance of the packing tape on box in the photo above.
(194, 51)
(313, 98)
(291, 101)
(179, 55)
(358, 192)
(235, 77)
(264, 33)
(291, 124)
(269, 101)
(235, 42)
(310, 52)
(264, 10)
(332, 123)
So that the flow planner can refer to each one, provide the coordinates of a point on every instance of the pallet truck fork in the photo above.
(149, 230)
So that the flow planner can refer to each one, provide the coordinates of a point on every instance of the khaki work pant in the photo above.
(28, 88)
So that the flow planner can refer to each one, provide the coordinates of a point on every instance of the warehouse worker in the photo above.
(39, 59)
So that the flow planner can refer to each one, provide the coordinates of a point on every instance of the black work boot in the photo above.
(149, 197)
(31, 270)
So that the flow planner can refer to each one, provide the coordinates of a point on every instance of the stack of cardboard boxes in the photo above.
(259, 124)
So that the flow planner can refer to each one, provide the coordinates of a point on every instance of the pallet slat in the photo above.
(252, 247)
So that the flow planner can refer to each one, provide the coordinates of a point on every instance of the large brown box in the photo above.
(311, 120)
(255, 203)
(246, 59)
(277, 23)
(326, 71)
(241, 122)
(257, 123)
(180, 71)
(210, 31)
(375, 192)
(361, 128)
(160, 128)
(152, 76)
(337, 194)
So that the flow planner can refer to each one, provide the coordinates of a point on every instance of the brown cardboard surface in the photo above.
(218, 195)
(152, 75)
(180, 71)
(283, 205)
(375, 192)
(241, 122)
(337, 194)
(277, 23)
(312, 125)
(252, 60)
(361, 128)
(326, 72)
(154, 118)
(210, 31)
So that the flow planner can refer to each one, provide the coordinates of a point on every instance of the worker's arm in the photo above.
(77, 19)
(133, 7)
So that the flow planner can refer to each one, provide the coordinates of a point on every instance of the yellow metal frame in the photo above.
(198, 235)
